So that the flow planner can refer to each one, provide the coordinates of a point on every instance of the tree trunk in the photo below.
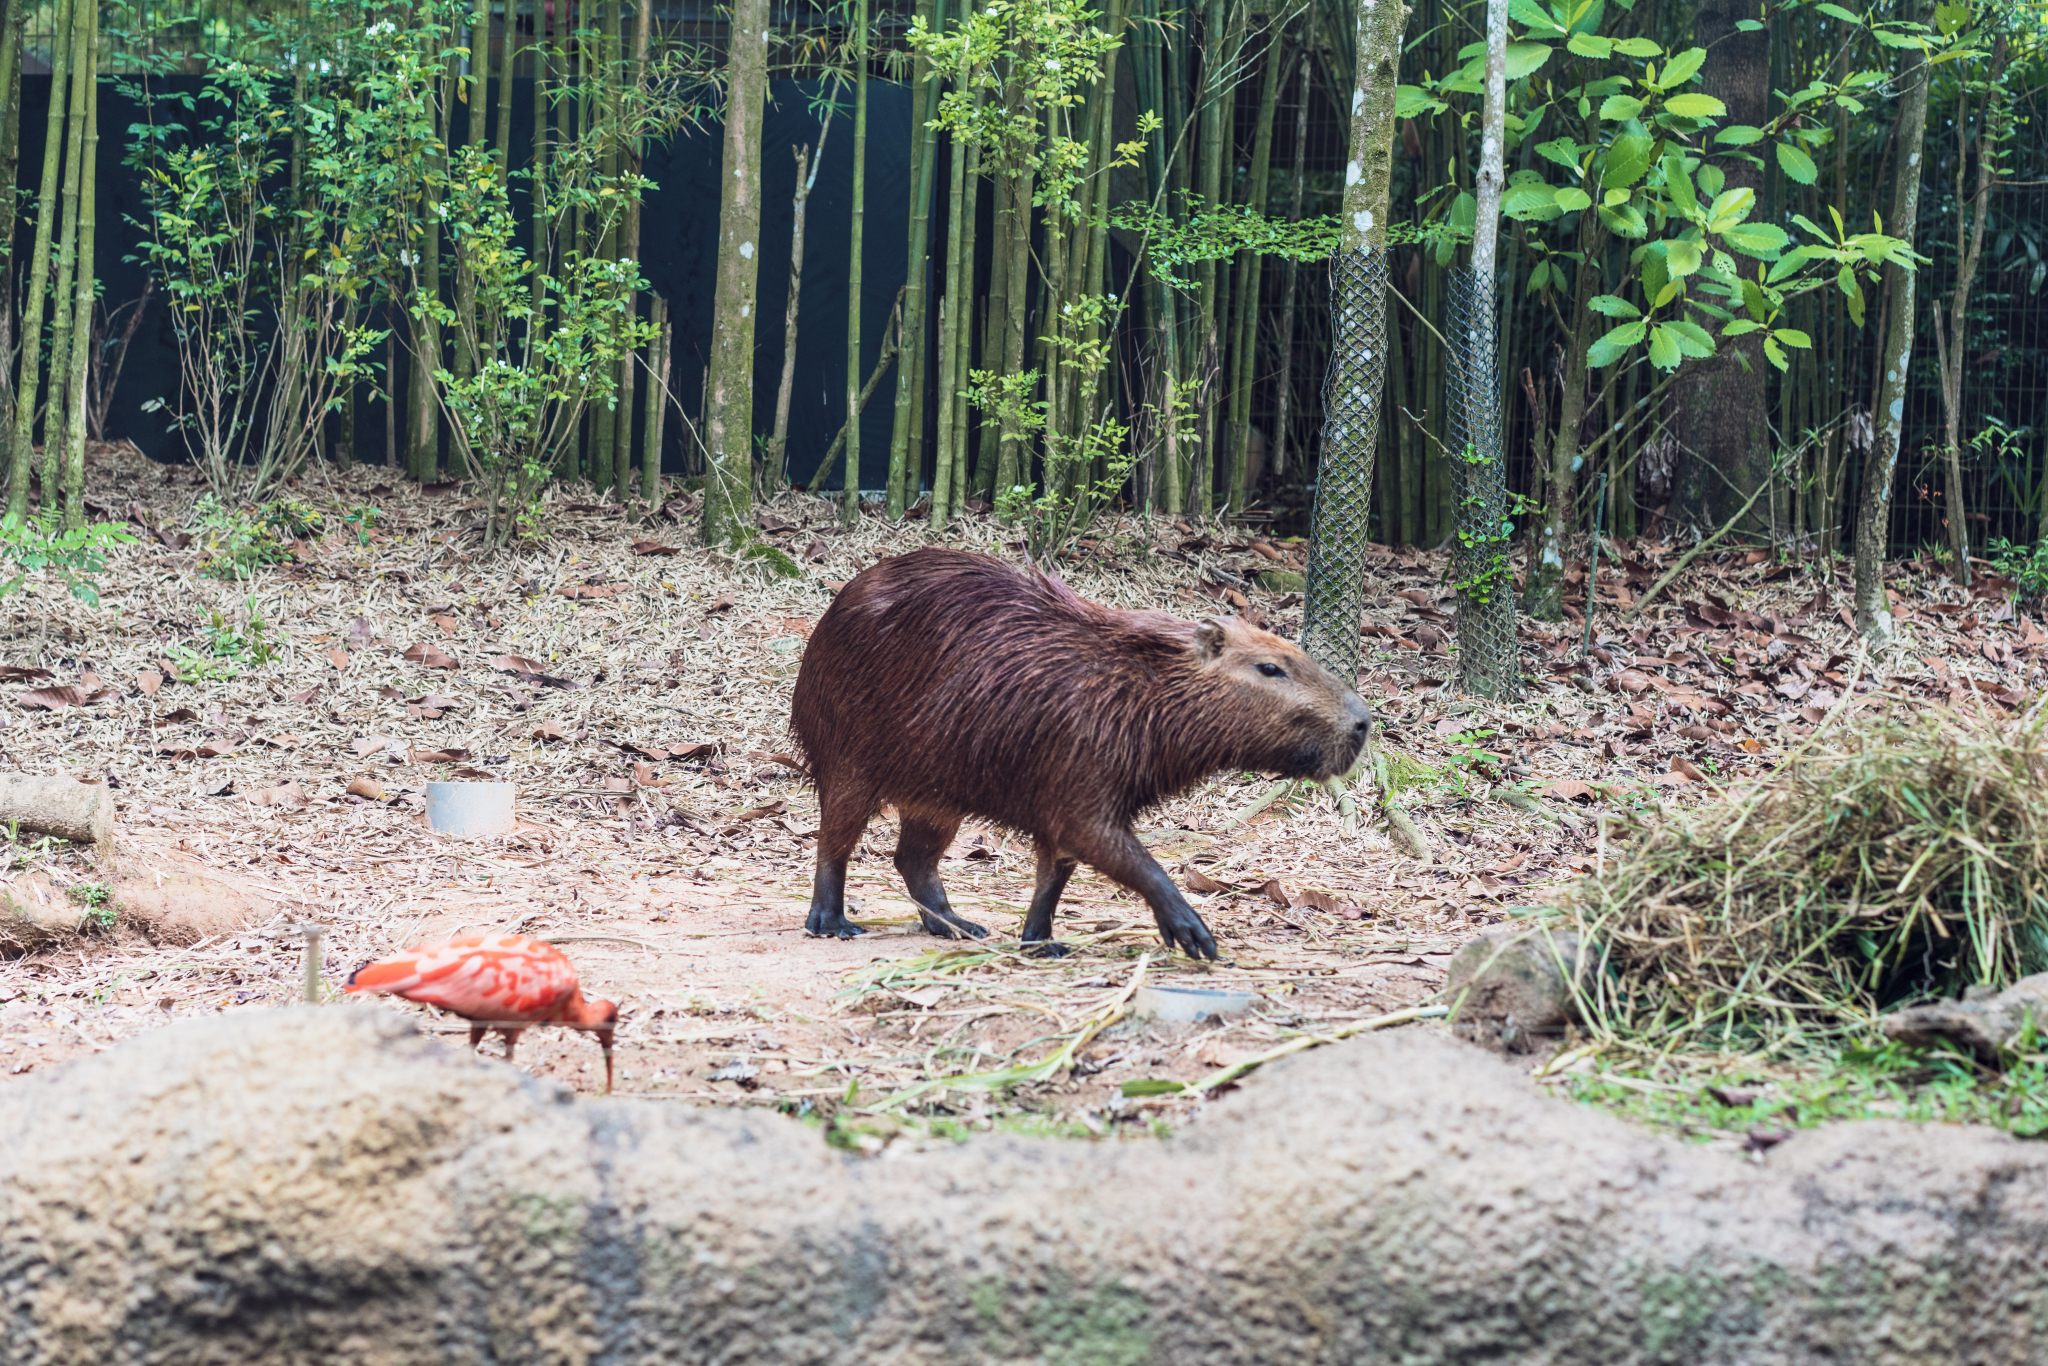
(1487, 665)
(1874, 507)
(1719, 405)
(729, 415)
(951, 320)
(1337, 537)
(850, 501)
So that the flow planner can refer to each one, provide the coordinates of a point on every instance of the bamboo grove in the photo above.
(1769, 268)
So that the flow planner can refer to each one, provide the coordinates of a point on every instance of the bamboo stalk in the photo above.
(657, 407)
(1250, 270)
(29, 369)
(1290, 276)
(807, 164)
(849, 512)
(81, 319)
(56, 430)
(906, 444)
(13, 23)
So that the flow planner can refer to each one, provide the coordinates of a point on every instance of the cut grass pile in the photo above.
(1888, 860)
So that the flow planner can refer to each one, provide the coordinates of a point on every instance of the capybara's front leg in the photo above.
(1054, 869)
(920, 844)
(1118, 856)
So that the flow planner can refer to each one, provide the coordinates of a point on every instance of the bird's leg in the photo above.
(476, 1035)
(511, 1038)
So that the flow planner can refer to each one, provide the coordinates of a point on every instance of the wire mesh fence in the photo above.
(1352, 396)
(1480, 570)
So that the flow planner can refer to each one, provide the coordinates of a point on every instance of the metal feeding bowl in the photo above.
(1190, 1003)
(470, 810)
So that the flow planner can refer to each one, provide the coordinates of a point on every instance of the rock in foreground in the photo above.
(327, 1185)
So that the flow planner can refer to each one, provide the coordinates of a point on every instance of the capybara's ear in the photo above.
(1209, 638)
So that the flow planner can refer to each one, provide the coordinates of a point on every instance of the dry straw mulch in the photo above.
(1889, 858)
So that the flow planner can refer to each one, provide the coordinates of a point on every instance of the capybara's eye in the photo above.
(1272, 671)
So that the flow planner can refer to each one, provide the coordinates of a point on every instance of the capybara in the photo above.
(955, 685)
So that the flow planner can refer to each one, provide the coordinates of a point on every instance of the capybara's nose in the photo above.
(1361, 715)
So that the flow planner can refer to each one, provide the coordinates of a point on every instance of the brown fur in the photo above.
(956, 685)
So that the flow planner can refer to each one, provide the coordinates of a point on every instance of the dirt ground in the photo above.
(635, 687)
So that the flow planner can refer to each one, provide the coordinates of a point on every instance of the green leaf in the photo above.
(1563, 151)
(1729, 208)
(1625, 221)
(1618, 108)
(1792, 336)
(1531, 15)
(1590, 45)
(1612, 306)
(1761, 240)
(1571, 199)
(1693, 339)
(1679, 185)
(1412, 101)
(1695, 106)
(1741, 327)
(1753, 299)
(1526, 58)
(1153, 1086)
(1738, 135)
(1750, 25)
(1682, 68)
(1636, 47)
(1628, 160)
(1710, 179)
(1664, 353)
(1836, 11)
(1539, 277)
(1797, 164)
(1681, 257)
(1615, 344)
(1655, 277)
(1776, 354)
(1525, 202)
(1949, 20)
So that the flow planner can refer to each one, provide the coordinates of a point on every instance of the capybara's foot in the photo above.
(947, 925)
(833, 925)
(1048, 948)
(1185, 931)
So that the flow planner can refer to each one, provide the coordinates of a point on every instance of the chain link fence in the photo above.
(1480, 570)
(1352, 395)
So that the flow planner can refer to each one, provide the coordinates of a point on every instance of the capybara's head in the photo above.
(1297, 719)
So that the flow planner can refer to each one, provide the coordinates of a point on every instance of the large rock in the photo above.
(325, 1185)
(1991, 1024)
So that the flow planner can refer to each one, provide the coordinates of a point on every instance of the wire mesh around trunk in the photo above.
(1480, 570)
(1352, 394)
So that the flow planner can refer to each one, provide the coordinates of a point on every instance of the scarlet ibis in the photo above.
(495, 981)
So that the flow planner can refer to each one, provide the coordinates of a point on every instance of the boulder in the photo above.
(1510, 988)
(327, 1185)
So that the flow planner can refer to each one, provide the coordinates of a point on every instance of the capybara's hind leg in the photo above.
(1054, 868)
(842, 815)
(1118, 856)
(918, 847)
